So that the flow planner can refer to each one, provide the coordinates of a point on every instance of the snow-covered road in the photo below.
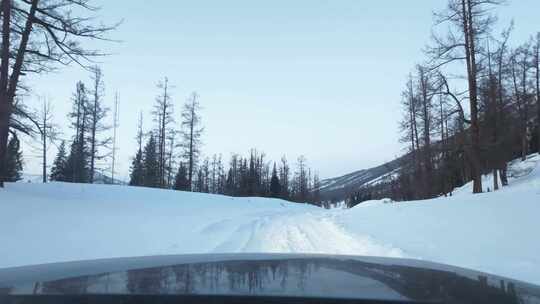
(307, 232)
(492, 232)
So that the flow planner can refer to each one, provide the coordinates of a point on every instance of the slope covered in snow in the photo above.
(338, 188)
(492, 232)
(495, 232)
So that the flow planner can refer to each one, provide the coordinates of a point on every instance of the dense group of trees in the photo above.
(169, 156)
(450, 144)
(256, 176)
(90, 143)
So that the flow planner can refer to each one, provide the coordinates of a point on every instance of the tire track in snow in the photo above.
(301, 232)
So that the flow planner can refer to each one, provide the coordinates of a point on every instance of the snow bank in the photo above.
(521, 174)
(495, 232)
(59, 221)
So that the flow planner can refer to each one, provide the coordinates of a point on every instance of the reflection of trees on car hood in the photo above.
(312, 276)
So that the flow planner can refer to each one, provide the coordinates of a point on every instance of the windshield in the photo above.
(394, 129)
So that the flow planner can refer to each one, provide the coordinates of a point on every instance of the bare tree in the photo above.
(163, 116)
(36, 37)
(501, 54)
(426, 90)
(520, 67)
(191, 134)
(97, 112)
(472, 22)
(47, 133)
(169, 158)
(116, 120)
(537, 85)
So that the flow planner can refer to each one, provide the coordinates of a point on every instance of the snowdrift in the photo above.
(495, 232)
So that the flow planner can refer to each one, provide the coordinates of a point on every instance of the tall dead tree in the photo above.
(537, 85)
(48, 133)
(36, 37)
(520, 67)
(191, 134)
(116, 120)
(426, 93)
(471, 21)
(163, 116)
(97, 114)
(501, 103)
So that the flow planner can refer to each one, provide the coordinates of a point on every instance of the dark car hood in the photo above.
(280, 275)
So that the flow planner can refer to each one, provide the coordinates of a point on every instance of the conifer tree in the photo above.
(58, 170)
(181, 181)
(137, 165)
(275, 186)
(137, 170)
(151, 164)
(14, 163)
(77, 170)
(77, 164)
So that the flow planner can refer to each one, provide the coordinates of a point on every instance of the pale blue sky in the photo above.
(312, 77)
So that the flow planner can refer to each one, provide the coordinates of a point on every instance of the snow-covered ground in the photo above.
(495, 232)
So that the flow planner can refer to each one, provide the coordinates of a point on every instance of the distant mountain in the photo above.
(100, 178)
(339, 188)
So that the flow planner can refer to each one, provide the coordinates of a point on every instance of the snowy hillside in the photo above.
(492, 232)
(338, 188)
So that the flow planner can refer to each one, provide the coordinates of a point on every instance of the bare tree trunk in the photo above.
(495, 180)
(115, 127)
(191, 127)
(524, 145)
(93, 147)
(8, 88)
(170, 163)
(163, 135)
(537, 69)
(426, 134)
(470, 54)
(504, 174)
(44, 141)
(5, 105)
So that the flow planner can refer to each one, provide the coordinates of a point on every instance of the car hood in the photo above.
(279, 275)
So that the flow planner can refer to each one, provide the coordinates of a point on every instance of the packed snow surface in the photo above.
(496, 232)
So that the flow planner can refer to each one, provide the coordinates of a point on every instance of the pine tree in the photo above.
(77, 170)
(151, 164)
(284, 178)
(58, 171)
(137, 166)
(181, 181)
(199, 182)
(14, 163)
(137, 170)
(77, 164)
(275, 186)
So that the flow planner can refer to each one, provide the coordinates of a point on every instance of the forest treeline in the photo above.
(459, 127)
(169, 154)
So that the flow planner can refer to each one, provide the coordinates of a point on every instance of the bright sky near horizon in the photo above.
(312, 77)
